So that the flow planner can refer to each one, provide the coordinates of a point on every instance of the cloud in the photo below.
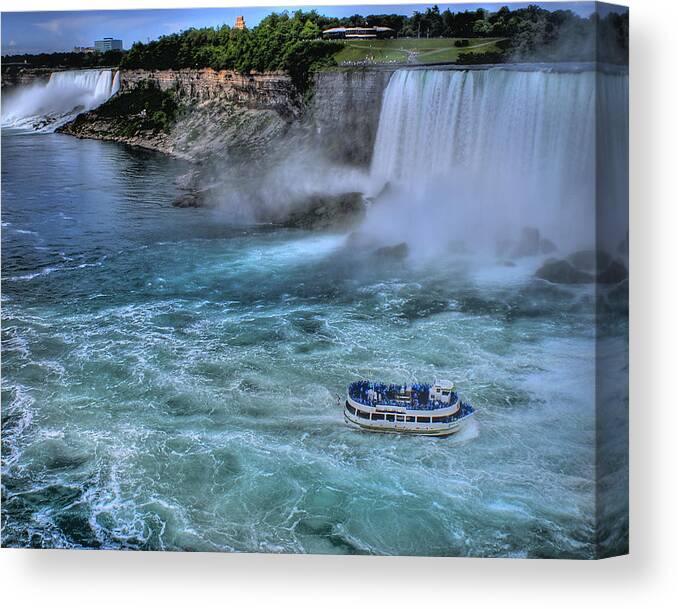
(60, 24)
(73, 23)
(53, 26)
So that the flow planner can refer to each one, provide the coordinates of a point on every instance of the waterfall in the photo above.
(46, 106)
(479, 154)
(115, 87)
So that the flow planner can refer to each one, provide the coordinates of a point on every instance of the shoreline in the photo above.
(152, 142)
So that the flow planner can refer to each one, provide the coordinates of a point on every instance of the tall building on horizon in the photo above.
(240, 22)
(108, 44)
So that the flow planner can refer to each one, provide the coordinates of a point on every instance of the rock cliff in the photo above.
(18, 75)
(272, 91)
(344, 111)
(254, 135)
(224, 112)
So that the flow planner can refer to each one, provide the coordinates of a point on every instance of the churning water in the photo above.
(169, 381)
(46, 106)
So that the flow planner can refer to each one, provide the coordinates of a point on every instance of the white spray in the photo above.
(46, 106)
(472, 157)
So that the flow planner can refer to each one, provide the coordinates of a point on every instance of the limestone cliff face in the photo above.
(15, 76)
(344, 112)
(221, 114)
(227, 114)
(340, 113)
(271, 91)
(254, 141)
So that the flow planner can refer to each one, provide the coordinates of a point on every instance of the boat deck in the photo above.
(410, 397)
(404, 409)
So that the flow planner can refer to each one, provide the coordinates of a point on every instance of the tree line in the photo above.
(292, 42)
(66, 60)
(280, 42)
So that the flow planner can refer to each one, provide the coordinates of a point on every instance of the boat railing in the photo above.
(359, 391)
(465, 410)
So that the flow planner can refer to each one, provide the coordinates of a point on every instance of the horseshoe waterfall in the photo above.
(486, 151)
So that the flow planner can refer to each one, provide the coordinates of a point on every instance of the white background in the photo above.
(646, 579)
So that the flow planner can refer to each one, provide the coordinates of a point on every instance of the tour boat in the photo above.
(420, 408)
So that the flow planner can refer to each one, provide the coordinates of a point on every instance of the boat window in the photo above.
(377, 416)
(400, 418)
(350, 408)
(390, 417)
(410, 419)
(440, 419)
(423, 419)
(363, 415)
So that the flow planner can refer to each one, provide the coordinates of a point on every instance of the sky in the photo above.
(37, 32)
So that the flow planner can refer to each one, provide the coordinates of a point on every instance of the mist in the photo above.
(472, 158)
(272, 188)
(44, 106)
(464, 161)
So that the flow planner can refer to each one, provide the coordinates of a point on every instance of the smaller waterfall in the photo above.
(115, 87)
(46, 106)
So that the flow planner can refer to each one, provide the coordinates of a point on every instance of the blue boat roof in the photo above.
(414, 396)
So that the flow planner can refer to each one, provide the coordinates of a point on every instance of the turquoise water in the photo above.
(170, 381)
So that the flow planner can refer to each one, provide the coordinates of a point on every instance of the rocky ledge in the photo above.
(586, 266)
(91, 125)
(326, 211)
(311, 212)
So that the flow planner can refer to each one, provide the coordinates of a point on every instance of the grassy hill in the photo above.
(412, 50)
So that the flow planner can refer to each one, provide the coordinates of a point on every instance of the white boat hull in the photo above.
(399, 424)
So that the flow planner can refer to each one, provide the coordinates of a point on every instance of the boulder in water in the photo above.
(189, 199)
(546, 246)
(529, 243)
(357, 240)
(319, 211)
(615, 272)
(502, 246)
(561, 271)
(589, 260)
(194, 196)
(394, 252)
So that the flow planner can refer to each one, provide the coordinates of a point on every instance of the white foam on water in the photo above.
(199, 439)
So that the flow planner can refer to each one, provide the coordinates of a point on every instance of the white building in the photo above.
(108, 44)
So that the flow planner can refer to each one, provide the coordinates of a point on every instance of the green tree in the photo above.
(310, 31)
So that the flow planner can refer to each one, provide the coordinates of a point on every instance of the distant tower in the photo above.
(240, 22)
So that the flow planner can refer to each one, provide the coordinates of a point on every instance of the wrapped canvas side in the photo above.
(612, 294)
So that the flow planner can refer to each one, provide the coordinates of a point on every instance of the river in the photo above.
(170, 379)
